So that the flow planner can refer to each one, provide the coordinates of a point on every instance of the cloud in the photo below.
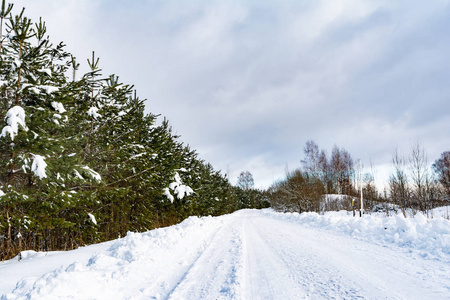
(248, 82)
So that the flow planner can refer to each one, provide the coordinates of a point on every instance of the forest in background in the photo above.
(81, 162)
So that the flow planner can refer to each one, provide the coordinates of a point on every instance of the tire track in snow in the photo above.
(314, 273)
(180, 261)
(266, 276)
(216, 272)
(341, 267)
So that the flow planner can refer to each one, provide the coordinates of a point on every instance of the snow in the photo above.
(59, 107)
(17, 62)
(92, 218)
(430, 238)
(168, 195)
(49, 89)
(182, 190)
(35, 90)
(250, 254)
(15, 117)
(46, 71)
(2, 193)
(138, 155)
(93, 112)
(92, 173)
(178, 188)
(38, 166)
(78, 175)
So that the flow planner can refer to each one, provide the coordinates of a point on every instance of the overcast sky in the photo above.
(246, 83)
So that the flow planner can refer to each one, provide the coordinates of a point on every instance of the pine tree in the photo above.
(81, 161)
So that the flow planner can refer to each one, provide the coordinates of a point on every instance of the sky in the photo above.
(248, 82)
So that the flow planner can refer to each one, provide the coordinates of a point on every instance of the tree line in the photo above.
(81, 162)
(414, 183)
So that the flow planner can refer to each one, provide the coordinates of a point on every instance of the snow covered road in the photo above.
(250, 254)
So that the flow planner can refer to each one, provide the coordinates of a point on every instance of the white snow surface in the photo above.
(250, 254)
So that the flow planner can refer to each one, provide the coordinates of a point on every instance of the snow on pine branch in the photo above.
(168, 195)
(92, 218)
(93, 112)
(46, 71)
(38, 166)
(178, 188)
(92, 173)
(58, 106)
(49, 89)
(15, 117)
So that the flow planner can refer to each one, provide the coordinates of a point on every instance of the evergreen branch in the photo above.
(129, 177)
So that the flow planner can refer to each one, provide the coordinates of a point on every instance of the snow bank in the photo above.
(124, 270)
(428, 237)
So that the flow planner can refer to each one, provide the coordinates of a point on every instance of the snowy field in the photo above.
(250, 254)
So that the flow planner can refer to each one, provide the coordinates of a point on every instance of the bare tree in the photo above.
(311, 161)
(371, 195)
(342, 170)
(245, 180)
(424, 187)
(398, 183)
(441, 168)
(325, 172)
(418, 165)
